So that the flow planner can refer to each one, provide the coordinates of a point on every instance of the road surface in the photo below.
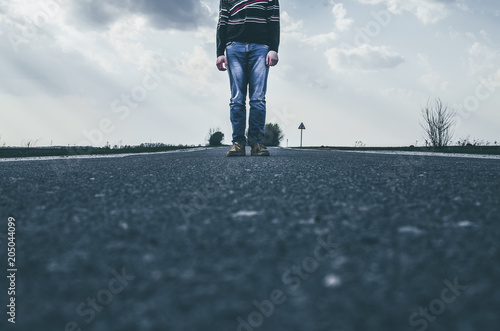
(301, 240)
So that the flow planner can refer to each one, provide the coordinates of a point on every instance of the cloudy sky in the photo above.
(133, 71)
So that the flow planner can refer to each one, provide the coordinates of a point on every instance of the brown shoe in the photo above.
(238, 149)
(259, 150)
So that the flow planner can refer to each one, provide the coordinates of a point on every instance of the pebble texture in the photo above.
(301, 240)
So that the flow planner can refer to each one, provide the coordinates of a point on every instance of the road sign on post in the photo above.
(301, 128)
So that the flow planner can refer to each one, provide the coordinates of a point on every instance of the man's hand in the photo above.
(272, 58)
(221, 63)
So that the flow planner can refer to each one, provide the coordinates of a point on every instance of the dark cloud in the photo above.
(177, 14)
(162, 14)
(97, 14)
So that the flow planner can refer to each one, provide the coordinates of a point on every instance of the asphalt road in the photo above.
(301, 240)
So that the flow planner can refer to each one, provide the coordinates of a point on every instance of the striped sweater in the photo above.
(250, 21)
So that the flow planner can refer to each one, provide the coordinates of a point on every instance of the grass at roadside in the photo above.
(489, 150)
(14, 152)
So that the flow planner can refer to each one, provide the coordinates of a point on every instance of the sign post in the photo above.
(301, 128)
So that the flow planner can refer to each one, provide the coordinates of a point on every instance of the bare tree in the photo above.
(439, 121)
(30, 143)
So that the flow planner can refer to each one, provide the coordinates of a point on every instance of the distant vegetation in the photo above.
(30, 143)
(359, 144)
(215, 137)
(466, 142)
(274, 134)
(439, 121)
(8, 152)
(438, 125)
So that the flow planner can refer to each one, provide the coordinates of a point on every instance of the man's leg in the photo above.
(258, 86)
(238, 79)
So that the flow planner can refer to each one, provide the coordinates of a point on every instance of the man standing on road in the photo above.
(249, 33)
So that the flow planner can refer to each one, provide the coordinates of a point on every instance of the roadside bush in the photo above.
(215, 137)
(273, 135)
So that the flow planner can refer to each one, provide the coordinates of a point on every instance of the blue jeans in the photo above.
(247, 72)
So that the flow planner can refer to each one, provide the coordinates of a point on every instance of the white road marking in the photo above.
(95, 156)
